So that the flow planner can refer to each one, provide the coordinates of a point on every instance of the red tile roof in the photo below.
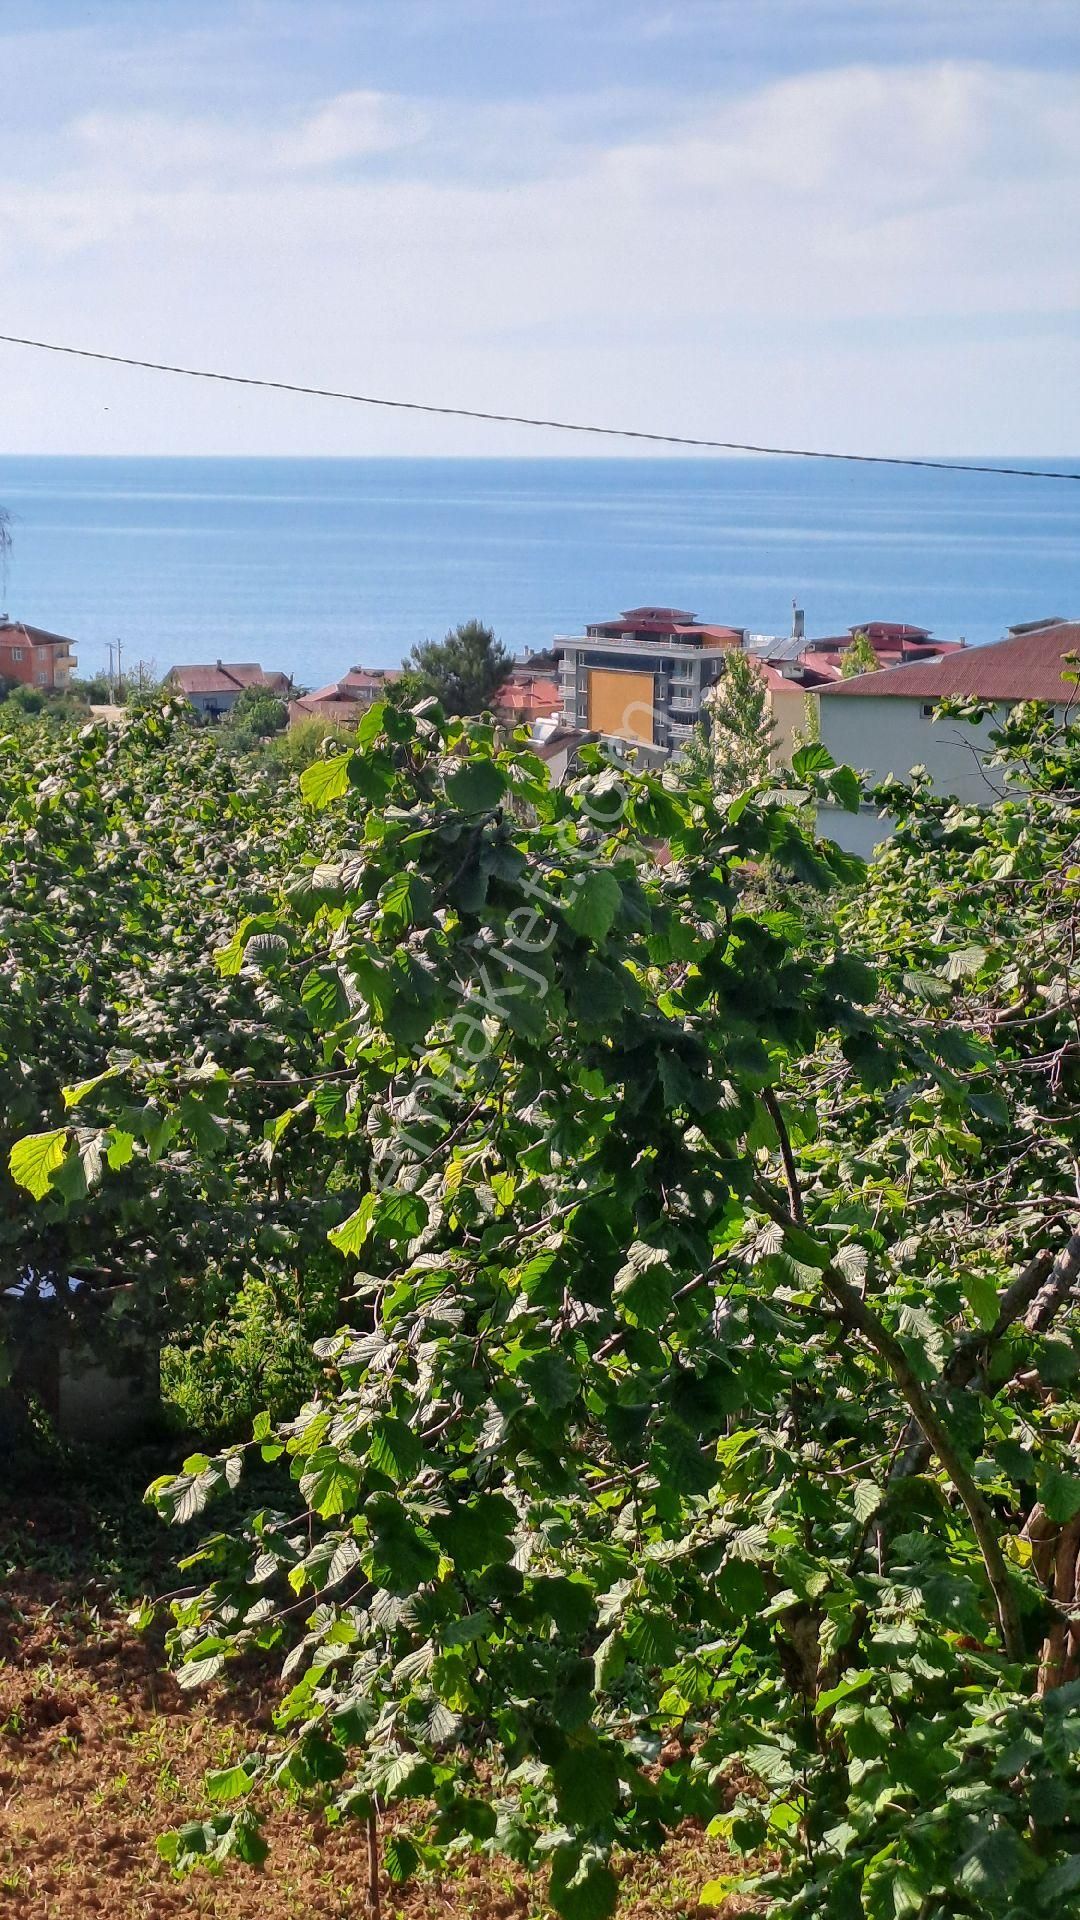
(231, 677)
(1026, 666)
(889, 630)
(16, 633)
(336, 713)
(538, 696)
(653, 613)
(358, 680)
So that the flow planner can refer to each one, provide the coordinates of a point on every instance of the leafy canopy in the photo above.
(697, 1442)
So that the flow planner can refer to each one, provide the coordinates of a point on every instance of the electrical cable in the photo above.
(527, 420)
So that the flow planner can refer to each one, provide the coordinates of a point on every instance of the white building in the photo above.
(884, 723)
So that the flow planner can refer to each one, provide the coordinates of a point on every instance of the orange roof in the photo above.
(523, 696)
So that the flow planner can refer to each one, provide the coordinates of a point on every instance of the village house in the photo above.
(35, 658)
(341, 702)
(886, 723)
(526, 698)
(214, 691)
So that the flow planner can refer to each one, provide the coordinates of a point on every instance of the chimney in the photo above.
(798, 622)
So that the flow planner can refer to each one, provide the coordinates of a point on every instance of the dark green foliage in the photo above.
(694, 1440)
(464, 671)
(257, 715)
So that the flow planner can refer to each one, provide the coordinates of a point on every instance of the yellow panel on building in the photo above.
(621, 704)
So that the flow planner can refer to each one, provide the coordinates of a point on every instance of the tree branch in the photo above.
(791, 1172)
(860, 1318)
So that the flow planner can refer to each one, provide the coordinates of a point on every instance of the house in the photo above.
(33, 657)
(214, 691)
(527, 697)
(884, 723)
(558, 747)
(341, 702)
(641, 675)
(790, 686)
(894, 643)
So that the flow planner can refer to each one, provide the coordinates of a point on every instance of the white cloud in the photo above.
(171, 150)
(361, 241)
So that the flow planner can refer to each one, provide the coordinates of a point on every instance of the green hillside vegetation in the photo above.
(617, 1255)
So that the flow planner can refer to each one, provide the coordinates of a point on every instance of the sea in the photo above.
(313, 566)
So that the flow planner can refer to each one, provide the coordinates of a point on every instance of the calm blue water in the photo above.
(316, 565)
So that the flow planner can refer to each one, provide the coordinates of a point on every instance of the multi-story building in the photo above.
(641, 676)
(33, 657)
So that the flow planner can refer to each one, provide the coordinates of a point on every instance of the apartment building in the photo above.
(641, 676)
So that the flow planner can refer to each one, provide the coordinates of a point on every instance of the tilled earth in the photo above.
(100, 1751)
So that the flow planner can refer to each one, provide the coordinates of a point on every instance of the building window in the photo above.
(16, 653)
(43, 679)
(929, 711)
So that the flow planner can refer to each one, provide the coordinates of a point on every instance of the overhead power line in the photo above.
(529, 420)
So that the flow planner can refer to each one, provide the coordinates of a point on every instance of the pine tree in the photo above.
(465, 670)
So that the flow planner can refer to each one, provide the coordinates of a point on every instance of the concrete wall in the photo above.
(890, 735)
(788, 711)
(856, 832)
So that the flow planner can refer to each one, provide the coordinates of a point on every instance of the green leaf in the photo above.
(1060, 1495)
(476, 786)
(394, 1449)
(331, 1486)
(992, 1865)
(400, 1858)
(73, 1096)
(813, 758)
(582, 1885)
(981, 1294)
(227, 1783)
(1062, 1879)
(35, 1159)
(398, 1558)
(586, 1781)
(964, 962)
(868, 1497)
(121, 1148)
(844, 785)
(593, 904)
(353, 1234)
(324, 997)
(325, 781)
(478, 1532)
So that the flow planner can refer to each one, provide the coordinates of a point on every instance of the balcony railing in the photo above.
(587, 642)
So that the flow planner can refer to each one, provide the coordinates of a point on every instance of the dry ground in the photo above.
(100, 1751)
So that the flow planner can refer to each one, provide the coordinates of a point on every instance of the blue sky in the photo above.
(843, 222)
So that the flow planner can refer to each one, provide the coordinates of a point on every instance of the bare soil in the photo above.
(100, 1752)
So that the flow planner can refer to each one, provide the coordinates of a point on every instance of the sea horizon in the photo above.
(313, 564)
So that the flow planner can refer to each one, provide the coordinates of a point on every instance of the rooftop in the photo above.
(1023, 666)
(17, 633)
(228, 677)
